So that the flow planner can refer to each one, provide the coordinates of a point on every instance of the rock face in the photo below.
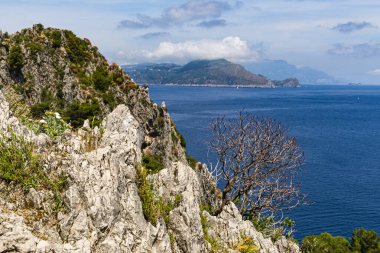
(103, 209)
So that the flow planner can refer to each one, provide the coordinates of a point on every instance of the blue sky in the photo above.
(341, 37)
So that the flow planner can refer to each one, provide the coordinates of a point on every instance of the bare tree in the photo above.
(258, 162)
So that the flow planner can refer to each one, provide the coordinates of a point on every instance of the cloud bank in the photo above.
(375, 72)
(353, 26)
(359, 50)
(213, 23)
(179, 15)
(154, 35)
(231, 48)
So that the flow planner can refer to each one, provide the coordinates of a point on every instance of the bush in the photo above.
(153, 209)
(51, 124)
(192, 161)
(56, 38)
(365, 241)
(77, 113)
(325, 243)
(18, 163)
(247, 245)
(76, 48)
(38, 110)
(362, 241)
(153, 163)
(101, 78)
(15, 59)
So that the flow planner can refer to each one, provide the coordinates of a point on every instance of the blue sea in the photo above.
(338, 128)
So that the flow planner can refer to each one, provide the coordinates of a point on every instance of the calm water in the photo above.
(337, 127)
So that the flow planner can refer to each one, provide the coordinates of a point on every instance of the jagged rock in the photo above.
(103, 209)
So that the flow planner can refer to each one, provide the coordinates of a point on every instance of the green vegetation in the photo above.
(35, 49)
(272, 229)
(19, 164)
(76, 48)
(76, 113)
(247, 245)
(101, 78)
(56, 38)
(216, 247)
(362, 241)
(51, 124)
(192, 161)
(15, 59)
(153, 163)
(153, 208)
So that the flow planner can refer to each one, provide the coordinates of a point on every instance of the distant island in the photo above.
(280, 69)
(203, 73)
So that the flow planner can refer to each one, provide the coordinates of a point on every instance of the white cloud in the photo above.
(375, 72)
(231, 48)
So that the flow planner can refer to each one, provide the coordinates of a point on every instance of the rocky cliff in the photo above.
(116, 179)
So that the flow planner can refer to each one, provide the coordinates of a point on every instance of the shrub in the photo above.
(15, 59)
(153, 163)
(192, 161)
(76, 48)
(76, 113)
(365, 241)
(51, 124)
(35, 49)
(147, 196)
(101, 78)
(325, 243)
(39, 109)
(56, 38)
(18, 163)
(153, 209)
(247, 245)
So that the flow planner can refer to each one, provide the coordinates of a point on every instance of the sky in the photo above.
(340, 37)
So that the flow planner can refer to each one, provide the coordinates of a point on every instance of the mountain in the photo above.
(279, 69)
(202, 72)
(88, 163)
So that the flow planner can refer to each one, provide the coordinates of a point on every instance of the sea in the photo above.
(337, 127)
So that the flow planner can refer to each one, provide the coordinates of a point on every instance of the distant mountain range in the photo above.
(203, 72)
(279, 69)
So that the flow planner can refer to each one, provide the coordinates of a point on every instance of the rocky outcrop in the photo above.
(102, 207)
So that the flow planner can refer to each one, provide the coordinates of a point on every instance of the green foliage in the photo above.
(39, 109)
(35, 49)
(147, 196)
(76, 48)
(325, 243)
(269, 228)
(192, 161)
(183, 141)
(76, 113)
(15, 59)
(153, 163)
(364, 241)
(47, 99)
(247, 245)
(101, 78)
(51, 124)
(18, 163)
(56, 38)
(153, 209)
(109, 99)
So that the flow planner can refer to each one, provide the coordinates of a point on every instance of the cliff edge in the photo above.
(116, 179)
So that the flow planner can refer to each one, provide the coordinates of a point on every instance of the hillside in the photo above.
(88, 163)
(202, 72)
(279, 69)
